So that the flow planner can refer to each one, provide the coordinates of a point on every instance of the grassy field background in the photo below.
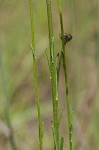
(81, 20)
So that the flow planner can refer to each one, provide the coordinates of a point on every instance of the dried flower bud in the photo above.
(67, 37)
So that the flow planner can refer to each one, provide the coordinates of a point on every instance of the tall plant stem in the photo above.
(53, 73)
(67, 101)
(7, 103)
(66, 78)
(35, 79)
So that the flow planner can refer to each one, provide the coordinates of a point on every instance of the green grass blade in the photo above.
(32, 24)
(55, 138)
(35, 79)
(53, 73)
(68, 102)
(37, 101)
(57, 66)
(50, 28)
(65, 74)
(47, 59)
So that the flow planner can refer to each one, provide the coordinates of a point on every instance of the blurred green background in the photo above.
(81, 20)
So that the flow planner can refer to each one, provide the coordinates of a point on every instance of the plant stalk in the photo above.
(35, 79)
(53, 73)
(66, 78)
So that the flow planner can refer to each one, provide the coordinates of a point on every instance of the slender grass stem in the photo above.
(7, 103)
(66, 78)
(50, 28)
(68, 103)
(53, 73)
(55, 102)
(35, 79)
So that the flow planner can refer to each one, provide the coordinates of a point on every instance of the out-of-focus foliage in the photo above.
(81, 20)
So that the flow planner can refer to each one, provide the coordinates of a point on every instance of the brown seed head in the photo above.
(67, 37)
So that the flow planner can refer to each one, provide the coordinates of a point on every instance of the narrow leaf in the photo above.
(33, 53)
(47, 58)
(54, 136)
(58, 64)
(61, 143)
(57, 61)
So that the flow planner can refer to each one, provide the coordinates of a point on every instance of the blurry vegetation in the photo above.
(81, 19)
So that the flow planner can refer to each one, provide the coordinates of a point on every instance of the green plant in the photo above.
(53, 76)
(65, 74)
(54, 72)
(35, 79)
(54, 63)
